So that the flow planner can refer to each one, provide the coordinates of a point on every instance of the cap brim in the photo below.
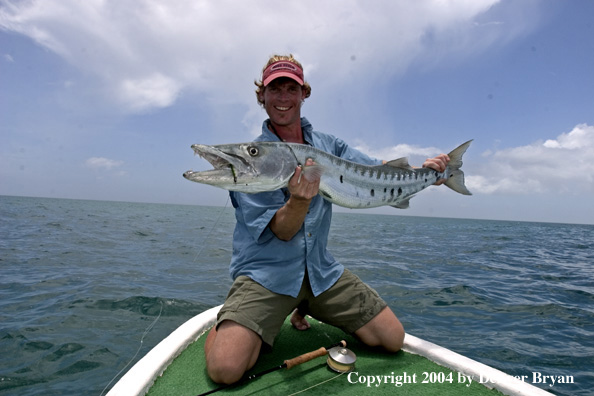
(274, 76)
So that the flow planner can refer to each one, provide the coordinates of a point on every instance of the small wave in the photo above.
(149, 306)
(456, 295)
(33, 346)
(79, 367)
(141, 234)
(64, 350)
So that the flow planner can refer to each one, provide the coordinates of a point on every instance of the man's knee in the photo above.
(384, 330)
(230, 351)
(396, 339)
(224, 372)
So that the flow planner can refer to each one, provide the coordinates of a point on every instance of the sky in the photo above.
(102, 99)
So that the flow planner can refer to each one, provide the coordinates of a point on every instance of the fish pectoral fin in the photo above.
(312, 172)
(401, 163)
(403, 204)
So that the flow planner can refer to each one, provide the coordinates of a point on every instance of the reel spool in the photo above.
(341, 360)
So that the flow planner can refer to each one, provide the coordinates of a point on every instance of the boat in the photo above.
(176, 366)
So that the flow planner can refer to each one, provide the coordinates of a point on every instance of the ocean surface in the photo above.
(89, 287)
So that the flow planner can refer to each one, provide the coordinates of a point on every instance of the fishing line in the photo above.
(321, 383)
(150, 327)
(212, 229)
(146, 331)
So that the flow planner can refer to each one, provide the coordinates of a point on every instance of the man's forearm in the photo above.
(288, 220)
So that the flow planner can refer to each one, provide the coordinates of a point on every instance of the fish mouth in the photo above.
(225, 165)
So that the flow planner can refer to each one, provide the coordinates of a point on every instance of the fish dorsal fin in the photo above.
(312, 172)
(401, 163)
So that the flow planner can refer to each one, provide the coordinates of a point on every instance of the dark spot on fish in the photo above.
(392, 192)
(385, 190)
(341, 179)
(372, 192)
(399, 191)
(425, 180)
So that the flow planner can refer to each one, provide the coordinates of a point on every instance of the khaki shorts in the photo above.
(348, 304)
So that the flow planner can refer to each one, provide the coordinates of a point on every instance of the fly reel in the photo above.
(341, 359)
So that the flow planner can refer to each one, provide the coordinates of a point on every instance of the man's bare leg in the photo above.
(383, 330)
(230, 351)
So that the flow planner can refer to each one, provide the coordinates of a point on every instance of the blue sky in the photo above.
(102, 99)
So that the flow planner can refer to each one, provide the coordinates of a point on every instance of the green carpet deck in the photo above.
(187, 374)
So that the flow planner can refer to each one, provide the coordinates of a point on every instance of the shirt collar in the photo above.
(306, 128)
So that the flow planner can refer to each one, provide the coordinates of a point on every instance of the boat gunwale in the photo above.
(139, 379)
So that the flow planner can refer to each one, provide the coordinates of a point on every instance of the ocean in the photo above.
(89, 287)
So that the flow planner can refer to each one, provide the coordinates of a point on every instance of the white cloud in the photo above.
(102, 163)
(144, 53)
(561, 165)
(154, 91)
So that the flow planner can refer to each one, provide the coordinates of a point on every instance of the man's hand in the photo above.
(301, 187)
(439, 164)
(288, 220)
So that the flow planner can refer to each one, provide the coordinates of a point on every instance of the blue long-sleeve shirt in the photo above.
(280, 265)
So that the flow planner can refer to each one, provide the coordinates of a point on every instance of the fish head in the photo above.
(245, 167)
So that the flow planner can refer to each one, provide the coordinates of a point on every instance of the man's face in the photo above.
(282, 101)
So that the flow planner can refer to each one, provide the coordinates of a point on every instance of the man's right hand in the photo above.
(288, 220)
(301, 187)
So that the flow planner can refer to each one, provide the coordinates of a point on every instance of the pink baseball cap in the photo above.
(282, 69)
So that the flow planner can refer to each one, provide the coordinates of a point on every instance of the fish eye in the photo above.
(253, 151)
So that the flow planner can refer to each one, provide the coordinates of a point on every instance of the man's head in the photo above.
(281, 66)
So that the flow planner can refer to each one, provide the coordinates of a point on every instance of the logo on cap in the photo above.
(282, 69)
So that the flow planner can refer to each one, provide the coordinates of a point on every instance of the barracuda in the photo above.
(267, 166)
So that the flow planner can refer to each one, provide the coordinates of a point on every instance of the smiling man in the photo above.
(280, 261)
(281, 93)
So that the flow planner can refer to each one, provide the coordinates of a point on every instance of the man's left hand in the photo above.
(438, 163)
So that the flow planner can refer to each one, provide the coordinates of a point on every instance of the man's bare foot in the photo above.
(298, 321)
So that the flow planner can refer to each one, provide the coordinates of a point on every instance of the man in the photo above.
(280, 263)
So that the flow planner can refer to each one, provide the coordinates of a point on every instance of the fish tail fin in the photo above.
(455, 180)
